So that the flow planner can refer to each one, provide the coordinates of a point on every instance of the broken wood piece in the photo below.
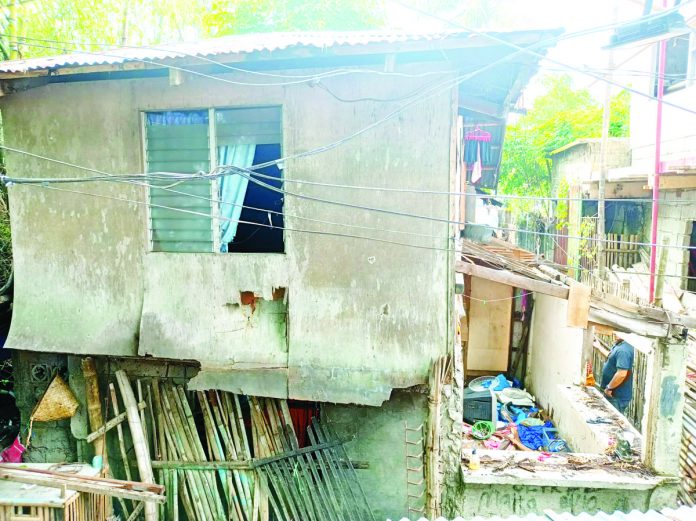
(138, 436)
(113, 422)
(89, 484)
(512, 279)
(578, 306)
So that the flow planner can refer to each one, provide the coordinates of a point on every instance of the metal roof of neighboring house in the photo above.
(261, 45)
(586, 141)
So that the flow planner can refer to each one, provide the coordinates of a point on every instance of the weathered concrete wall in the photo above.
(82, 262)
(678, 133)
(378, 435)
(520, 500)
(581, 163)
(555, 350)
(50, 441)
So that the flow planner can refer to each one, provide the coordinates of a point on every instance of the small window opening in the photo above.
(251, 206)
(676, 64)
(691, 271)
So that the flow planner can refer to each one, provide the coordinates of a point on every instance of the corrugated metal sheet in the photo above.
(239, 44)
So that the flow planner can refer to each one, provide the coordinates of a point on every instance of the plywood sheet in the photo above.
(490, 314)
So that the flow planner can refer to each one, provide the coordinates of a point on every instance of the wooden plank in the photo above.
(512, 279)
(676, 181)
(114, 488)
(578, 305)
(489, 325)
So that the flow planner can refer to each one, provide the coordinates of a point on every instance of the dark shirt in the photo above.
(621, 357)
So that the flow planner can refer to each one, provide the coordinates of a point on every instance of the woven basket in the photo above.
(57, 403)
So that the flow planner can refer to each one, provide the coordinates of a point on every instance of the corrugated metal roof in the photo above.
(238, 44)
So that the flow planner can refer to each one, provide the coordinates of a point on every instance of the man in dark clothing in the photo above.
(617, 376)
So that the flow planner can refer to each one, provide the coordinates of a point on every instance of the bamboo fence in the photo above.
(232, 457)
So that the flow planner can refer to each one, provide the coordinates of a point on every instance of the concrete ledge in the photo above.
(574, 405)
(570, 470)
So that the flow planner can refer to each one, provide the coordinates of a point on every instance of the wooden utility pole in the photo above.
(604, 160)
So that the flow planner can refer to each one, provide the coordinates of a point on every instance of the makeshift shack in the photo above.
(527, 334)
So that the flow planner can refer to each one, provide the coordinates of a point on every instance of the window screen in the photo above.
(180, 217)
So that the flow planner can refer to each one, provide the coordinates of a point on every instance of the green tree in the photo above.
(296, 15)
(557, 118)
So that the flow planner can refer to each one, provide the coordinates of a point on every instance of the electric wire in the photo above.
(253, 223)
(245, 173)
(525, 50)
(173, 48)
(434, 91)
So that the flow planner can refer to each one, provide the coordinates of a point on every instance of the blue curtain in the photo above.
(233, 188)
(175, 117)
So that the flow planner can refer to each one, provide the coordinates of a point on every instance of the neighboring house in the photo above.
(578, 165)
(308, 293)
(634, 180)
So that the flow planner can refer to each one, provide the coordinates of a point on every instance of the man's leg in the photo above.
(619, 405)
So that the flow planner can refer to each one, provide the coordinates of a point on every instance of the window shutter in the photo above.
(180, 216)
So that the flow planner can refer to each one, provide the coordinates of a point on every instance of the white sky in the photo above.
(571, 15)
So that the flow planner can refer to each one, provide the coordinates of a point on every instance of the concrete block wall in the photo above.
(676, 217)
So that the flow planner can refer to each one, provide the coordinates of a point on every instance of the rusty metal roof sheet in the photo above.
(241, 44)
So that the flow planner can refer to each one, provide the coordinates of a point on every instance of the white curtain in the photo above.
(233, 189)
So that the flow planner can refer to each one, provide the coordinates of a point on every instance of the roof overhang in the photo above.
(257, 51)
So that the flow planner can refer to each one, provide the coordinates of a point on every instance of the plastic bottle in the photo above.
(474, 461)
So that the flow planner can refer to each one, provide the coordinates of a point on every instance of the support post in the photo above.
(665, 405)
(662, 58)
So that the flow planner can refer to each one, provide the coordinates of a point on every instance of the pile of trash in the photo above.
(499, 415)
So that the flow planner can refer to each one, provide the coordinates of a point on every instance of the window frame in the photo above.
(214, 183)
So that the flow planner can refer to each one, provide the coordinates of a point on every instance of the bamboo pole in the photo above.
(94, 414)
(121, 444)
(177, 438)
(140, 446)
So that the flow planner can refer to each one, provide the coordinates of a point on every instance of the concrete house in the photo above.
(299, 299)
(246, 215)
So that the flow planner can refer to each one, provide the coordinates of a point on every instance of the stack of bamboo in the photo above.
(202, 444)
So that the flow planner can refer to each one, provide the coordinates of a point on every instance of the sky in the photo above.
(570, 15)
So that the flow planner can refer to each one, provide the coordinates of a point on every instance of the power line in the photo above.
(248, 175)
(430, 93)
(502, 41)
(252, 223)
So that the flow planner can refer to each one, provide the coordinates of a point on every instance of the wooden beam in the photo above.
(512, 279)
(617, 321)
(676, 182)
(618, 190)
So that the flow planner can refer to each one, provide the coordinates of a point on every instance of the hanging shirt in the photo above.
(620, 357)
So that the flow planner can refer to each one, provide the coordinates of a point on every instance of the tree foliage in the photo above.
(252, 16)
(558, 117)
